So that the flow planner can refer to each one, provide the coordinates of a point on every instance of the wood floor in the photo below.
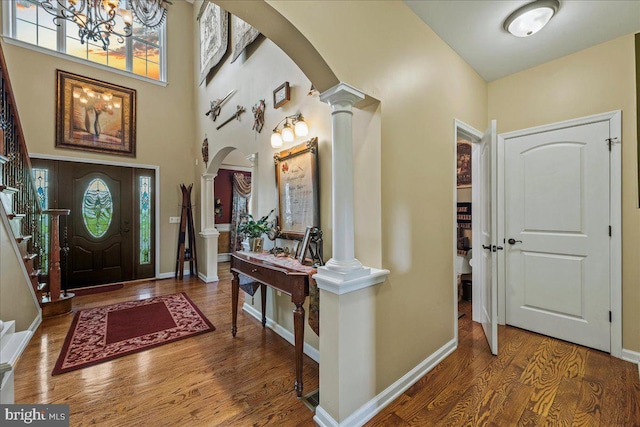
(534, 381)
(215, 380)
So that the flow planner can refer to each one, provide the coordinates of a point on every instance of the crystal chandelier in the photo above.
(96, 19)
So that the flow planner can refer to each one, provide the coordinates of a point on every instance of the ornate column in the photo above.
(209, 232)
(347, 321)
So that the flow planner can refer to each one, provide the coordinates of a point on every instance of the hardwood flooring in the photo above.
(534, 381)
(215, 380)
(207, 380)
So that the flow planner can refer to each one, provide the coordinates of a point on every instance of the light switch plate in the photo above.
(174, 220)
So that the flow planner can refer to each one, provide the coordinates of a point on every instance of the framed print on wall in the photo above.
(281, 95)
(298, 196)
(213, 30)
(92, 115)
(463, 171)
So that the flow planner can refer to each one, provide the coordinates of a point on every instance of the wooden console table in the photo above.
(290, 281)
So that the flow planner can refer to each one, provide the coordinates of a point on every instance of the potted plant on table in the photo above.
(254, 230)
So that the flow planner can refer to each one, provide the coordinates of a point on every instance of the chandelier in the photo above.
(97, 20)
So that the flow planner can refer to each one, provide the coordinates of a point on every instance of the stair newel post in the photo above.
(54, 253)
(65, 257)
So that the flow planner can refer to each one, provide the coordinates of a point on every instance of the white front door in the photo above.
(557, 217)
(488, 235)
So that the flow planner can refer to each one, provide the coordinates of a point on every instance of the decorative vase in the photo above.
(255, 244)
(87, 121)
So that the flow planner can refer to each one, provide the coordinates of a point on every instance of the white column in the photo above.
(209, 232)
(253, 207)
(348, 316)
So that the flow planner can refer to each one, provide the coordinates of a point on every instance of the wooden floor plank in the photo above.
(216, 380)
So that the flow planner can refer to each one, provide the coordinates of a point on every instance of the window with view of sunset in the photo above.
(140, 54)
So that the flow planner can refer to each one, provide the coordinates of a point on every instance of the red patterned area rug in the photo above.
(100, 334)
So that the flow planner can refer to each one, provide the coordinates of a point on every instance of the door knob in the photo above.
(513, 241)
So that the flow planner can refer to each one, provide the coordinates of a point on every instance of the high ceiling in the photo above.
(473, 28)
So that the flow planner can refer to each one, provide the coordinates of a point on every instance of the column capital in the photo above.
(209, 176)
(252, 158)
(342, 93)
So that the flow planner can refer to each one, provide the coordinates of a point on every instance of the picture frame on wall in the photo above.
(213, 30)
(298, 195)
(281, 95)
(463, 168)
(92, 115)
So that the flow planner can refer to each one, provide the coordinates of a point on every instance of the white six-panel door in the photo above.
(557, 201)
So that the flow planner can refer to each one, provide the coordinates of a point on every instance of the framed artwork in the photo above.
(92, 115)
(213, 30)
(298, 196)
(303, 247)
(242, 35)
(463, 170)
(281, 95)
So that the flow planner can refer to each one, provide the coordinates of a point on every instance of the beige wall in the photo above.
(382, 48)
(17, 301)
(254, 75)
(164, 115)
(595, 80)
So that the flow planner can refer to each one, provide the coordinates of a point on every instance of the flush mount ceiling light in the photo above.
(531, 18)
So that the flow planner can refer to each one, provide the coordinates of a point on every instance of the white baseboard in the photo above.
(207, 279)
(224, 257)
(36, 322)
(310, 351)
(631, 356)
(171, 275)
(375, 405)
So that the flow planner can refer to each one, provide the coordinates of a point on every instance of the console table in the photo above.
(286, 277)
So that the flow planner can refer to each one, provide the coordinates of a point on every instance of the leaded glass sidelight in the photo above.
(97, 208)
(145, 219)
(41, 178)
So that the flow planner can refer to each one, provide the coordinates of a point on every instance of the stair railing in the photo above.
(17, 172)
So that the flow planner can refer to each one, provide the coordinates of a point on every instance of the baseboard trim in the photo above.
(36, 322)
(207, 279)
(309, 350)
(379, 402)
(171, 275)
(631, 356)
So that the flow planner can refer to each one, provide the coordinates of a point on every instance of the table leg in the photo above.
(235, 290)
(298, 332)
(263, 295)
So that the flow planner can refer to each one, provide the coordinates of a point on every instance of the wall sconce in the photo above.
(288, 133)
(531, 18)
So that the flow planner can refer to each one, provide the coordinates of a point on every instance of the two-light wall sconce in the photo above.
(288, 133)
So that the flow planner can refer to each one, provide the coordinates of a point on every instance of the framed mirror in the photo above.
(298, 195)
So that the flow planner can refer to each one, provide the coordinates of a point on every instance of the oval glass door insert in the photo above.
(97, 208)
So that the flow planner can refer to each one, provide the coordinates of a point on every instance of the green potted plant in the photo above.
(254, 230)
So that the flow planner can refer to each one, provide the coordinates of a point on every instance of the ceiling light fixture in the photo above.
(96, 19)
(531, 18)
(288, 134)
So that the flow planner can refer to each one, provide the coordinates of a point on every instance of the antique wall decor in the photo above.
(258, 116)
(236, 116)
(213, 27)
(92, 115)
(281, 95)
(298, 195)
(216, 106)
(463, 170)
(242, 35)
(205, 150)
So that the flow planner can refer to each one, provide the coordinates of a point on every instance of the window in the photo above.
(144, 192)
(41, 177)
(97, 208)
(142, 53)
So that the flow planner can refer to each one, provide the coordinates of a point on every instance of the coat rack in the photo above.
(186, 228)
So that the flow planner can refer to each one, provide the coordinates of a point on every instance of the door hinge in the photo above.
(609, 231)
(611, 141)
(609, 316)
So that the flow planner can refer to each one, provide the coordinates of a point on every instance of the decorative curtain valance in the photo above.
(240, 206)
(151, 13)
